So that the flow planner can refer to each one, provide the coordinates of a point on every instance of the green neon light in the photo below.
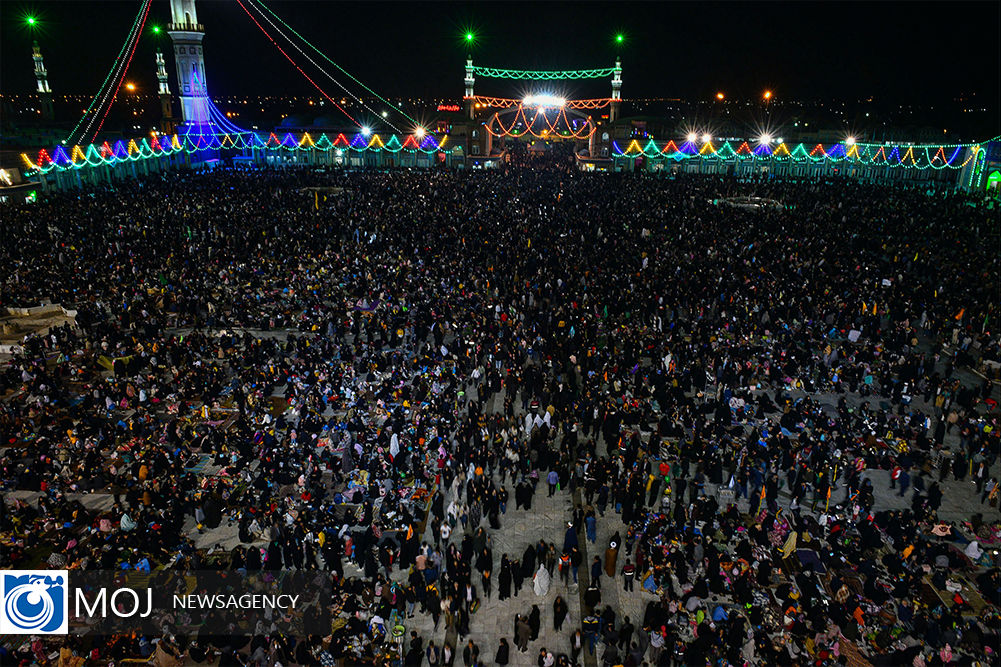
(542, 75)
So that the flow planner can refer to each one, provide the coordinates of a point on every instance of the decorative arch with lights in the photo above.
(541, 114)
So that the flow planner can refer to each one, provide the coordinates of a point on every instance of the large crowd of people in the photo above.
(781, 422)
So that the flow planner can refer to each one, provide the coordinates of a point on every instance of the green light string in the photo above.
(114, 66)
(344, 71)
(542, 75)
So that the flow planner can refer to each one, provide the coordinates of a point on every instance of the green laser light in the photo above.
(156, 30)
(620, 38)
(31, 20)
(470, 36)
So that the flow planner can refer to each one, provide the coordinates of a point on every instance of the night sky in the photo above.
(916, 52)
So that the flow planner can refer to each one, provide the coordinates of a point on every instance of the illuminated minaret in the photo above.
(613, 111)
(186, 33)
(42, 76)
(470, 81)
(166, 105)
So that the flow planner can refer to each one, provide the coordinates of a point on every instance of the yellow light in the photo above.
(719, 96)
(768, 94)
(130, 87)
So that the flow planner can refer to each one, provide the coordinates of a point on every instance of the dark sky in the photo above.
(917, 52)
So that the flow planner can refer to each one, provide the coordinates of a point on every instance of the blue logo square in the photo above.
(34, 602)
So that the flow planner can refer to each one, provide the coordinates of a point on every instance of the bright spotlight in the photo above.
(765, 139)
(131, 87)
(365, 131)
(692, 137)
(385, 114)
(720, 96)
(543, 100)
(419, 132)
(706, 138)
(768, 95)
(850, 141)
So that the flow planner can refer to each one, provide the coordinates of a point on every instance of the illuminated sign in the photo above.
(449, 107)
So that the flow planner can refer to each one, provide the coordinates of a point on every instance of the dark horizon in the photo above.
(892, 52)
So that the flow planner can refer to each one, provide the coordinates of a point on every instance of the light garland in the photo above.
(344, 71)
(549, 133)
(508, 103)
(188, 143)
(919, 157)
(143, 9)
(116, 75)
(500, 102)
(294, 64)
(543, 75)
(314, 63)
(121, 79)
(597, 103)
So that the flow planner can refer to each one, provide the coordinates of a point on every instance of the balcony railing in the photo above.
(186, 27)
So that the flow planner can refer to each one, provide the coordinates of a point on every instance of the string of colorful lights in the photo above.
(343, 71)
(294, 64)
(121, 79)
(542, 75)
(508, 103)
(134, 32)
(192, 142)
(597, 103)
(316, 65)
(500, 102)
(918, 157)
(549, 132)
